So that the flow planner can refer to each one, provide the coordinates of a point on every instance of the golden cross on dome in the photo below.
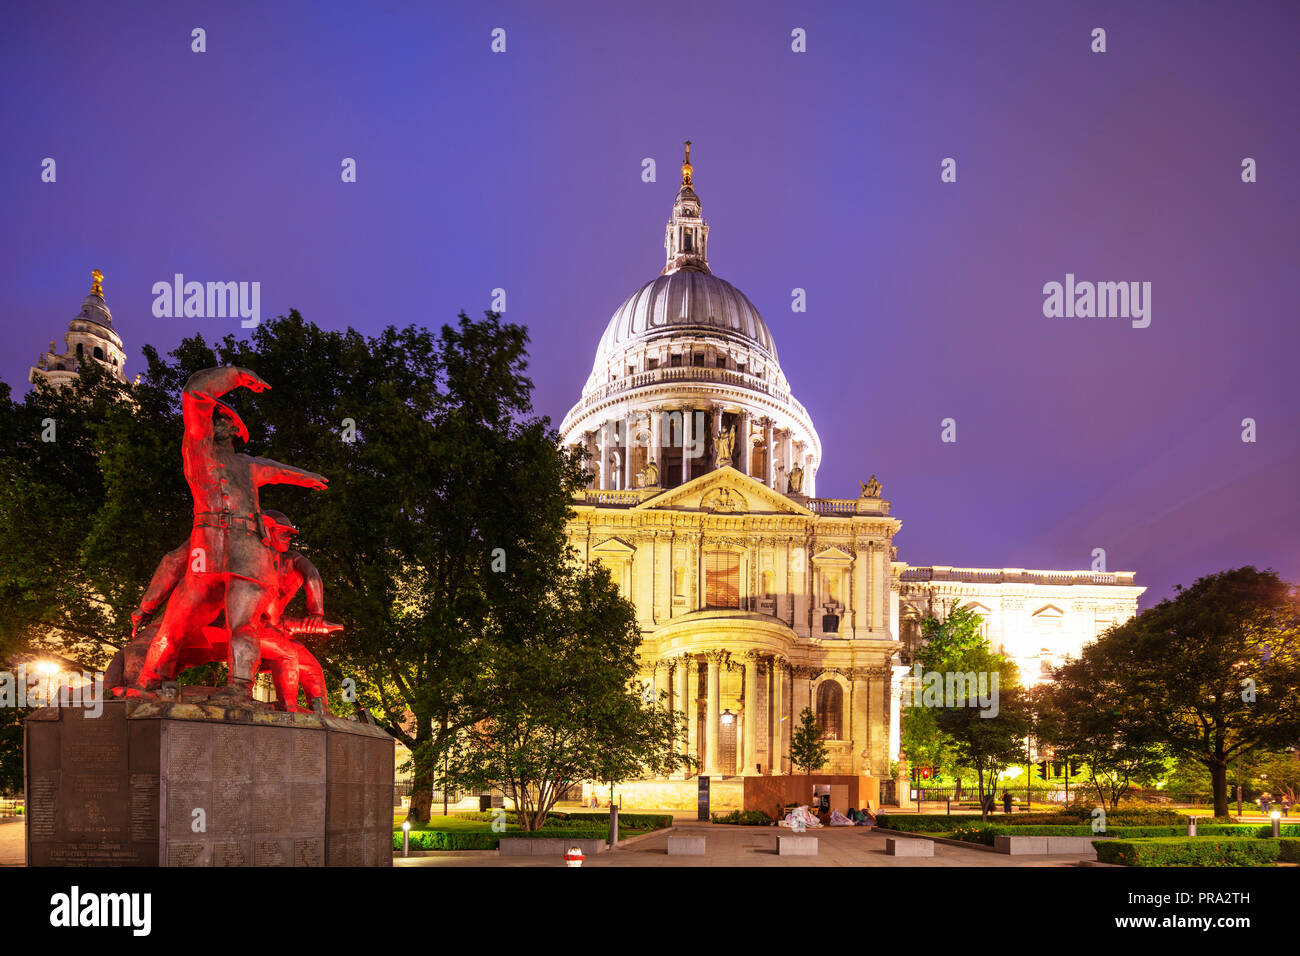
(686, 166)
(97, 283)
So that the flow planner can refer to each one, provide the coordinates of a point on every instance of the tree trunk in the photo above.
(421, 784)
(1219, 784)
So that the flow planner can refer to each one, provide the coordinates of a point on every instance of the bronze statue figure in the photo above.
(231, 567)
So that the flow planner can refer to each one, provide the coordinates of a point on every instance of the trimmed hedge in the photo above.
(923, 822)
(448, 840)
(1289, 851)
(1189, 851)
(636, 821)
(744, 818)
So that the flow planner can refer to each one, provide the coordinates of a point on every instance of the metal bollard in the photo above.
(406, 838)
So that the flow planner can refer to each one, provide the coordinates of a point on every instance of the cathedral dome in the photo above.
(684, 301)
(687, 354)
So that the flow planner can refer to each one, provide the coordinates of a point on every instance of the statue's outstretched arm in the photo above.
(265, 471)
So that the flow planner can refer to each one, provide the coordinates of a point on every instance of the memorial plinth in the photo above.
(179, 783)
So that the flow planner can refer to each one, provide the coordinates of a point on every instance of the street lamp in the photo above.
(1276, 815)
(406, 838)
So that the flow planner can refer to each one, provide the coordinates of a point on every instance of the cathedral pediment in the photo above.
(724, 491)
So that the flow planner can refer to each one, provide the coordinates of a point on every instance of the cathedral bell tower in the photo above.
(90, 336)
(687, 234)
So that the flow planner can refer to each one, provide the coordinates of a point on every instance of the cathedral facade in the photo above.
(757, 597)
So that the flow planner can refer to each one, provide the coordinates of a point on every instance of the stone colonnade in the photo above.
(769, 695)
(614, 445)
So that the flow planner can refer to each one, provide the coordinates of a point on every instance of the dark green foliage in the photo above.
(1188, 851)
(807, 752)
(448, 840)
(976, 832)
(744, 818)
(1212, 673)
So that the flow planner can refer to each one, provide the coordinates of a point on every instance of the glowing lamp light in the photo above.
(406, 838)
(47, 667)
(728, 716)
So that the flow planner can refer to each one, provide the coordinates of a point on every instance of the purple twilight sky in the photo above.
(817, 170)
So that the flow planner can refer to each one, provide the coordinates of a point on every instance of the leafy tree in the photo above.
(1082, 715)
(440, 530)
(1214, 671)
(1279, 774)
(806, 747)
(568, 705)
(956, 652)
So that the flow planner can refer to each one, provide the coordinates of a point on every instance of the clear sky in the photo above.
(817, 170)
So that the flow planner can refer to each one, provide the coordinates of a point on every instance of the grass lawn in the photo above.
(453, 822)
(465, 825)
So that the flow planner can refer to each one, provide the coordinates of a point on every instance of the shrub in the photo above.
(632, 821)
(744, 818)
(448, 840)
(1247, 829)
(1288, 850)
(558, 833)
(1188, 851)
(977, 832)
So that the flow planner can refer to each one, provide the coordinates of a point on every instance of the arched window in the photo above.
(80, 349)
(99, 353)
(830, 710)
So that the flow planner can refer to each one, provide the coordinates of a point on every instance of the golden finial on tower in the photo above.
(686, 166)
(97, 283)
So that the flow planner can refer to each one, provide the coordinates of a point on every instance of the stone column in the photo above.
(602, 469)
(712, 711)
(878, 715)
(743, 444)
(680, 696)
(688, 415)
(769, 438)
(799, 694)
(715, 428)
(787, 455)
(692, 710)
(661, 682)
(655, 452)
(750, 759)
(629, 478)
(860, 717)
(778, 712)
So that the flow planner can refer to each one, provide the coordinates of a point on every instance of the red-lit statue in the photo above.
(289, 662)
(230, 566)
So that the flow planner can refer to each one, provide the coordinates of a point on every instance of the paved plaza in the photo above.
(756, 846)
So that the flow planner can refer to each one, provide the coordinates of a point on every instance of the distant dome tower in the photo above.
(686, 376)
(90, 335)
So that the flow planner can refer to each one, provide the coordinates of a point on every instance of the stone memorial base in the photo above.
(189, 783)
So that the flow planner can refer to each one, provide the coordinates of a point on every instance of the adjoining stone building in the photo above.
(757, 598)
